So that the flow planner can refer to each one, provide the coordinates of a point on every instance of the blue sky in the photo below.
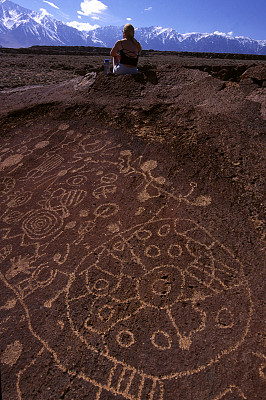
(236, 17)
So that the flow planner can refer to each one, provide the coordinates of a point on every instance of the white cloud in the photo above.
(97, 18)
(82, 26)
(129, 19)
(148, 9)
(89, 7)
(230, 33)
(51, 4)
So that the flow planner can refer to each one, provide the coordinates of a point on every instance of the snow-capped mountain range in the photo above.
(20, 27)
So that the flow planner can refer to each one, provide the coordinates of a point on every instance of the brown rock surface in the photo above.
(132, 228)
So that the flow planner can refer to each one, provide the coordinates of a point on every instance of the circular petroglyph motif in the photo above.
(63, 172)
(71, 225)
(175, 250)
(143, 234)
(41, 224)
(225, 318)
(161, 340)
(164, 230)
(125, 338)
(149, 165)
(109, 178)
(100, 285)
(83, 213)
(152, 251)
(99, 282)
(77, 180)
(174, 292)
(106, 313)
(161, 287)
(43, 275)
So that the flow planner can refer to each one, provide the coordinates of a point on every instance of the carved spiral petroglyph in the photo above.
(41, 224)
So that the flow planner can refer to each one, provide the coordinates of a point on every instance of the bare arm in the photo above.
(115, 49)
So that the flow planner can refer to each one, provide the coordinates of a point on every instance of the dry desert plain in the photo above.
(132, 226)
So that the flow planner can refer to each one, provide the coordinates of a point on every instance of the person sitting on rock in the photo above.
(129, 50)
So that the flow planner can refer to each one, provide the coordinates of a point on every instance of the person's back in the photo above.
(129, 49)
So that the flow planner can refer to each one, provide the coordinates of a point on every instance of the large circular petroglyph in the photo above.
(186, 291)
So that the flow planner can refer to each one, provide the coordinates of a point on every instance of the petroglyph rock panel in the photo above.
(113, 283)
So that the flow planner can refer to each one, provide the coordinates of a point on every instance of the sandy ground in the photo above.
(132, 229)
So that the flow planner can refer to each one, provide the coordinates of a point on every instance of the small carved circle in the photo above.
(77, 180)
(175, 251)
(125, 339)
(161, 287)
(152, 251)
(164, 230)
(100, 285)
(43, 275)
(161, 340)
(225, 318)
(143, 234)
(109, 178)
